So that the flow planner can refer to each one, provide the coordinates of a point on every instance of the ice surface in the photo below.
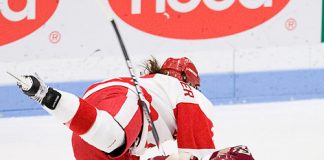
(273, 131)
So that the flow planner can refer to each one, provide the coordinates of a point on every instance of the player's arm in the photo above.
(96, 127)
(194, 132)
(194, 128)
(195, 135)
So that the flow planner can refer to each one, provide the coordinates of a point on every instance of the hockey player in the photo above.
(108, 123)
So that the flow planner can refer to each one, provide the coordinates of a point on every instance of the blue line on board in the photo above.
(251, 87)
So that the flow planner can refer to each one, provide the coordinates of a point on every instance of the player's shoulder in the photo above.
(113, 85)
(108, 81)
(160, 77)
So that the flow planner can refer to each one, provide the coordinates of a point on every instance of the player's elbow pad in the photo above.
(105, 134)
(96, 127)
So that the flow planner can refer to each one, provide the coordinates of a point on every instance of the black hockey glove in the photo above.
(35, 88)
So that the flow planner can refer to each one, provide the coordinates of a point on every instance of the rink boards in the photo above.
(221, 89)
(280, 58)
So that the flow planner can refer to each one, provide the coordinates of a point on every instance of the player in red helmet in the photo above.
(107, 122)
(182, 69)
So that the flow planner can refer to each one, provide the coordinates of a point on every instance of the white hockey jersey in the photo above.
(178, 111)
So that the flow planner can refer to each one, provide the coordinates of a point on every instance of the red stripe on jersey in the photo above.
(154, 114)
(194, 128)
(149, 145)
(133, 129)
(109, 99)
(148, 76)
(84, 118)
(124, 79)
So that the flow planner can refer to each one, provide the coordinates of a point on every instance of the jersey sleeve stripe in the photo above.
(105, 134)
(105, 85)
(127, 110)
(133, 129)
(84, 118)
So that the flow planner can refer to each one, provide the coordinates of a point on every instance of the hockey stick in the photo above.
(18, 79)
(137, 85)
(132, 73)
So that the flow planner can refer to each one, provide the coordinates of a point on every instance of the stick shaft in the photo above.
(137, 85)
(16, 77)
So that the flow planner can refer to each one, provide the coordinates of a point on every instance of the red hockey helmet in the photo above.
(182, 69)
